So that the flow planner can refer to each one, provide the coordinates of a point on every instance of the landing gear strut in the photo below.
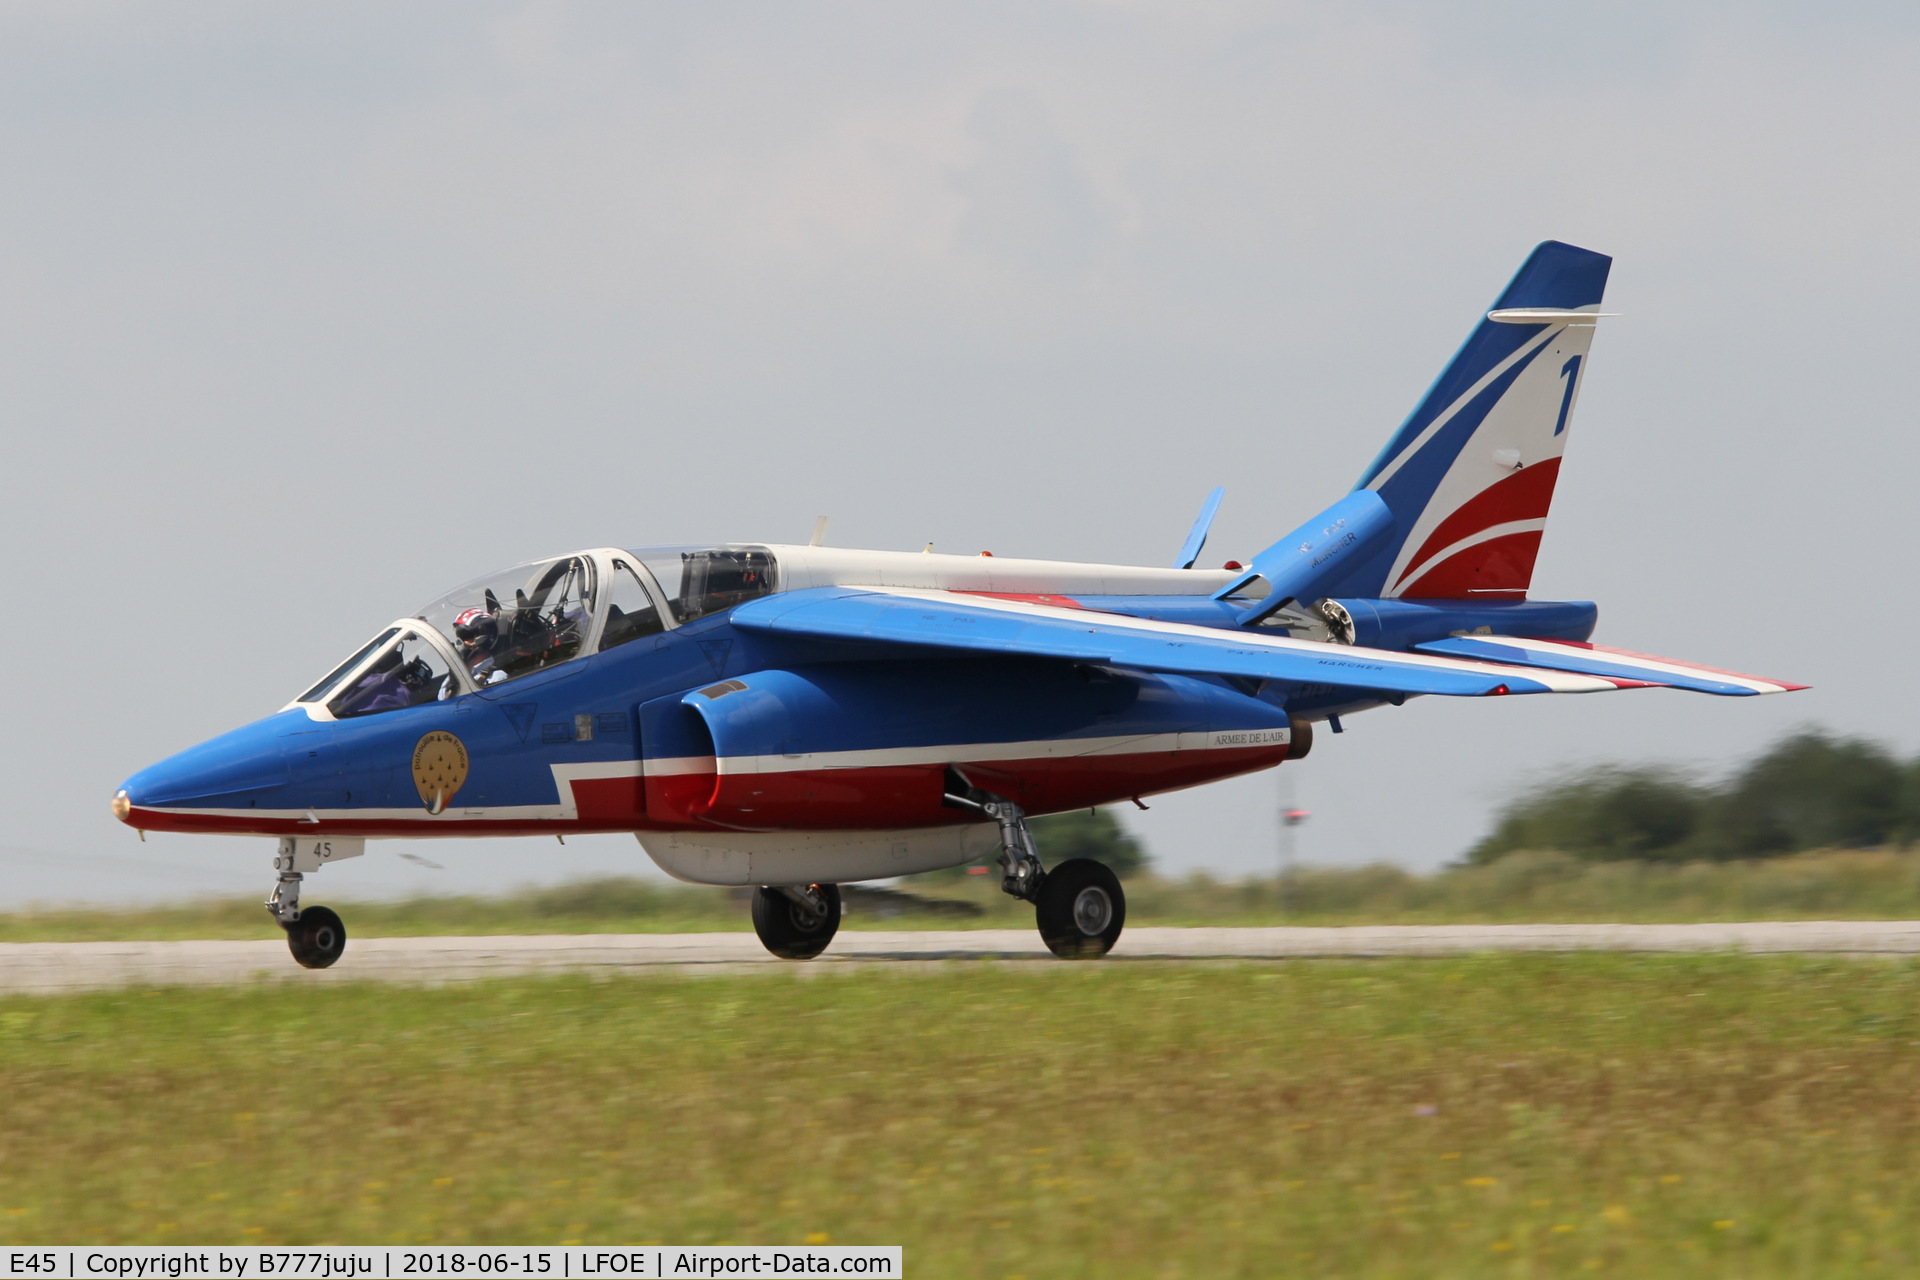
(1020, 871)
(1078, 906)
(314, 935)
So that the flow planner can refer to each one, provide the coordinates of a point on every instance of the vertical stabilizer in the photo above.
(1470, 475)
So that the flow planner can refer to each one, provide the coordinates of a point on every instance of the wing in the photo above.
(975, 624)
(1594, 660)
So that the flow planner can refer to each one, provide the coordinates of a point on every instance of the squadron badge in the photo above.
(439, 769)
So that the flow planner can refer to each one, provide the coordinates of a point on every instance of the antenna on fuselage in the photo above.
(819, 532)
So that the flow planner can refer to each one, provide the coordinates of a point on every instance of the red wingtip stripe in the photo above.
(1676, 662)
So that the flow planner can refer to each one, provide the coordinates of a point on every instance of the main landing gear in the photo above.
(314, 935)
(1078, 906)
(796, 922)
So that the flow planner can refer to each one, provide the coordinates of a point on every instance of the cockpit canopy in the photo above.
(519, 620)
(534, 616)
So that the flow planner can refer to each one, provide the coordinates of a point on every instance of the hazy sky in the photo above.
(309, 312)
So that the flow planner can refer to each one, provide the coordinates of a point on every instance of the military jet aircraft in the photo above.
(793, 718)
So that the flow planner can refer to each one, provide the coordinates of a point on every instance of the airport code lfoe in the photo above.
(365, 1262)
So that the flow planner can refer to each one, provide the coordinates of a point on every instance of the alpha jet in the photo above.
(793, 718)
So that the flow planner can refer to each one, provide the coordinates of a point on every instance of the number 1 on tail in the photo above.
(1571, 372)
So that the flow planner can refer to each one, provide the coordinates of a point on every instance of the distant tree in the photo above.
(1089, 833)
(1809, 791)
(1605, 814)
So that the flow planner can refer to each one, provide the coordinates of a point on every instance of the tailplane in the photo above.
(1470, 475)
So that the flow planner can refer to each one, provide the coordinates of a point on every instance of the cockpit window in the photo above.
(703, 580)
(518, 621)
(339, 673)
(409, 672)
(630, 611)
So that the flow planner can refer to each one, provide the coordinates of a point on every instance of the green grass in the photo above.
(1529, 888)
(1498, 1116)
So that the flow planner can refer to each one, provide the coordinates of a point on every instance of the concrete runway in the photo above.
(74, 966)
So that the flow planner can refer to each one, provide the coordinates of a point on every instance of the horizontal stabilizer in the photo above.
(1593, 660)
(975, 624)
(1549, 315)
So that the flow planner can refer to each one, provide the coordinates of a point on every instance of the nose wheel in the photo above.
(314, 934)
(317, 938)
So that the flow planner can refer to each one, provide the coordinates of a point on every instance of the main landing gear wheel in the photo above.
(317, 938)
(1080, 909)
(797, 924)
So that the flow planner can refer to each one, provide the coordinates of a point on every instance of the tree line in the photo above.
(1811, 790)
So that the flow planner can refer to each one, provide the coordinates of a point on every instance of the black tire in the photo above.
(1080, 910)
(787, 930)
(317, 938)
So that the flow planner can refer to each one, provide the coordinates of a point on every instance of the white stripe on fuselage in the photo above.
(988, 752)
(565, 775)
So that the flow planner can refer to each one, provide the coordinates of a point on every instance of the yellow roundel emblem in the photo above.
(439, 769)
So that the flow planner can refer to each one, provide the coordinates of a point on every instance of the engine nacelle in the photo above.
(836, 748)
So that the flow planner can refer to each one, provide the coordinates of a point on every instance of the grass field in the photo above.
(1497, 1116)
(1529, 888)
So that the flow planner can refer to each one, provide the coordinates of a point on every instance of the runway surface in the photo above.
(74, 966)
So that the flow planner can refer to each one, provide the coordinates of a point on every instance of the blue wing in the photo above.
(987, 624)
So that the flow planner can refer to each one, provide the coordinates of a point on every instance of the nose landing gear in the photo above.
(315, 935)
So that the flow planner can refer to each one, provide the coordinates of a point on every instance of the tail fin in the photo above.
(1470, 475)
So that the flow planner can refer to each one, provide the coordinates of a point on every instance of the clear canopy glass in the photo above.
(698, 581)
(408, 672)
(339, 673)
(631, 614)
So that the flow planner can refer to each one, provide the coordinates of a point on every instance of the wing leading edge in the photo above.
(938, 619)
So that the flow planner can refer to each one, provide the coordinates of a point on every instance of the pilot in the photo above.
(422, 684)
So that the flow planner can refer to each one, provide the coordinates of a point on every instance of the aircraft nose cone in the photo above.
(247, 762)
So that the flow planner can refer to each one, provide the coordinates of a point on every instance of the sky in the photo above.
(309, 312)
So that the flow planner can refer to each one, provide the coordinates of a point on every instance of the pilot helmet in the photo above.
(475, 625)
